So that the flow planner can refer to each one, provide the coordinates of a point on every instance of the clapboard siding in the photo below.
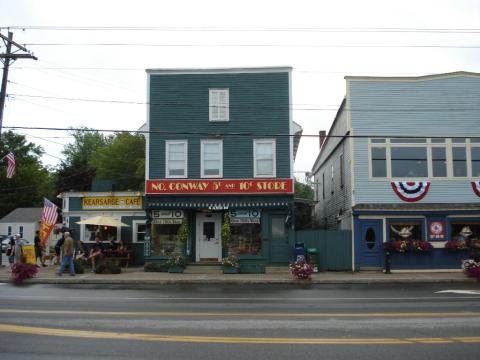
(258, 104)
(340, 201)
(446, 106)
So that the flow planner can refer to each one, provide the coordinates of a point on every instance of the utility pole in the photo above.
(5, 58)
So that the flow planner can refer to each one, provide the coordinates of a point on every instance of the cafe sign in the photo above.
(167, 217)
(111, 202)
(221, 186)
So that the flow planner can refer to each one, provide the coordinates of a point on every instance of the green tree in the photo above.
(303, 206)
(31, 182)
(76, 172)
(122, 160)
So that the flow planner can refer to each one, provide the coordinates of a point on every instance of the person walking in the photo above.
(38, 249)
(67, 255)
(11, 252)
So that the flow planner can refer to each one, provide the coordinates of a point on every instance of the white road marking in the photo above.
(466, 292)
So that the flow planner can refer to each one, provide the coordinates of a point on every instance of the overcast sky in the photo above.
(314, 37)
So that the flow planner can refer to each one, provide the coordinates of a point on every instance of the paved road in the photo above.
(228, 322)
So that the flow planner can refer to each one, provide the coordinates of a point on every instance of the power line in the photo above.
(248, 29)
(239, 134)
(261, 45)
(290, 106)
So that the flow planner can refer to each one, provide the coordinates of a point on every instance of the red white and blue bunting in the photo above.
(476, 187)
(411, 191)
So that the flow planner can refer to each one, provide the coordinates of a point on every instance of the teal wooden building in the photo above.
(220, 149)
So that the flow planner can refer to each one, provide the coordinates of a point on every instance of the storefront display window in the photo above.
(405, 230)
(465, 230)
(164, 239)
(106, 233)
(246, 239)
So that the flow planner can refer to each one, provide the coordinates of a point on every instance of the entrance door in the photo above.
(209, 244)
(371, 243)
(279, 247)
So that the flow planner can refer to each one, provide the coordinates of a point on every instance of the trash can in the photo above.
(299, 252)
(313, 258)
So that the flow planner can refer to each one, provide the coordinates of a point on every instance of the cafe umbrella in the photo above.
(102, 220)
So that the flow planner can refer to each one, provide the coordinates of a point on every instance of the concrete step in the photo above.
(277, 269)
(203, 269)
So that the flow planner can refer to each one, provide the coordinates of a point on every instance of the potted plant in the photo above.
(471, 268)
(420, 246)
(21, 272)
(456, 245)
(226, 231)
(231, 264)
(176, 264)
(301, 270)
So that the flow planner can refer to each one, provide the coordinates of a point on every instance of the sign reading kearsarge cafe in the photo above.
(111, 202)
(220, 186)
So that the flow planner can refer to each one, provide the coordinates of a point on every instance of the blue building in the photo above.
(401, 165)
(220, 149)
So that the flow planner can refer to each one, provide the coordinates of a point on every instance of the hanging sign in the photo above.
(167, 217)
(220, 186)
(436, 230)
(476, 187)
(245, 216)
(410, 191)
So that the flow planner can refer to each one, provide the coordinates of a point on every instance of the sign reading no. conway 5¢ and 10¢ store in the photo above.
(111, 202)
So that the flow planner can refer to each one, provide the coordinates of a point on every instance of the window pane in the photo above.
(379, 162)
(475, 161)
(278, 227)
(164, 239)
(438, 140)
(409, 162)
(264, 150)
(408, 141)
(378, 141)
(264, 167)
(458, 140)
(211, 158)
(459, 161)
(405, 230)
(439, 162)
(465, 230)
(246, 239)
(475, 140)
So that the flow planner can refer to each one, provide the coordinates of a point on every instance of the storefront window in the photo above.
(405, 230)
(106, 233)
(465, 230)
(246, 239)
(164, 239)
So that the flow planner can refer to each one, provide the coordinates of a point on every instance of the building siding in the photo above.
(427, 107)
(258, 103)
(340, 201)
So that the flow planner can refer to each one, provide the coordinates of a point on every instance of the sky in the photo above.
(92, 55)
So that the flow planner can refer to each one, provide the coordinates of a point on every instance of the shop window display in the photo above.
(165, 240)
(246, 239)
(465, 231)
(106, 233)
(405, 230)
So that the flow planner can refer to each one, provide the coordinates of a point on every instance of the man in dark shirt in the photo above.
(38, 248)
(96, 251)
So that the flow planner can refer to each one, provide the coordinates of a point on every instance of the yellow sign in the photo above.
(112, 202)
(28, 252)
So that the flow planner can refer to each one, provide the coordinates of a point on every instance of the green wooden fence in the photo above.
(334, 247)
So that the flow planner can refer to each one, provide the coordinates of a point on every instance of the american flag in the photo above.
(49, 212)
(10, 164)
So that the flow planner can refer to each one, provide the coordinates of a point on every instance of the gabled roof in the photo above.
(297, 132)
(22, 215)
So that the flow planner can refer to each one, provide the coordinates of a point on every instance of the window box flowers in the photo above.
(406, 246)
(301, 270)
(231, 264)
(456, 245)
(21, 272)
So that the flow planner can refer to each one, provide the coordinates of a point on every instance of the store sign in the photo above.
(436, 230)
(221, 186)
(111, 202)
(167, 217)
(245, 216)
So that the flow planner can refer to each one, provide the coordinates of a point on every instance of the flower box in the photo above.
(176, 269)
(230, 270)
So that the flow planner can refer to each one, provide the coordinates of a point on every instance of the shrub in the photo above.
(176, 260)
(155, 267)
(231, 261)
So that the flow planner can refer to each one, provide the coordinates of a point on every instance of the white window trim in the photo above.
(448, 145)
(135, 230)
(185, 145)
(202, 169)
(274, 152)
(226, 91)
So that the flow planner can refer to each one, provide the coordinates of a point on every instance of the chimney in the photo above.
(322, 136)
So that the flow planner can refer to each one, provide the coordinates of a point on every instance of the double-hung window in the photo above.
(212, 158)
(219, 105)
(176, 158)
(264, 161)
(475, 156)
